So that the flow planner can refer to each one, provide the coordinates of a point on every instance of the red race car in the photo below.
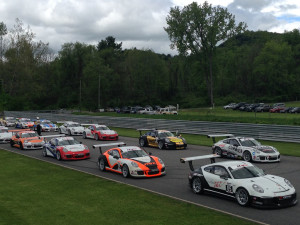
(99, 132)
(130, 161)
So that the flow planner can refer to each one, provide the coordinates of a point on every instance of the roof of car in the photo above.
(129, 148)
(232, 163)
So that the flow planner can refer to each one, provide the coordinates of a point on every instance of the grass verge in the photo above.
(35, 192)
(285, 148)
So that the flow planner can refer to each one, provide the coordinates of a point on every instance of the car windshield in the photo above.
(165, 134)
(68, 142)
(27, 135)
(134, 154)
(249, 142)
(246, 172)
(102, 128)
(74, 125)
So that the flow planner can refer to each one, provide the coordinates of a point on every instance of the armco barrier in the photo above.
(259, 131)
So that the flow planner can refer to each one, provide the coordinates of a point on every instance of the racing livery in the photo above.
(130, 161)
(247, 149)
(24, 123)
(242, 181)
(99, 132)
(46, 125)
(27, 140)
(65, 148)
(162, 139)
(6, 135)
(71, 128)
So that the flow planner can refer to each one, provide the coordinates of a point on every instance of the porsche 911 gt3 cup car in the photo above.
(162, 139)
(27, 140)
(99, 132)
(46, 125)
(66, 148)
(71, 128)
(8, 121)
(24, 123)
(6, 135)
(241, 180)
(130, 161)
(248, 149)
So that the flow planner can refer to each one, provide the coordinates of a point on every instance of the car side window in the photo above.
(220, 171)
(52, 142)
(209, 169)
(226, 141)
(116, 153)
(234, 142)
(110, 152)
(91, 128)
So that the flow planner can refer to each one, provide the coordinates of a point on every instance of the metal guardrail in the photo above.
(260, 131)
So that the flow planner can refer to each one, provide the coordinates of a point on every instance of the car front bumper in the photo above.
(276, 202)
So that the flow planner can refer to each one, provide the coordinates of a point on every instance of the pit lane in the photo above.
(175, 183)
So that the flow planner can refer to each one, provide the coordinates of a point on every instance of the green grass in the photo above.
(217, 114)
(35, 192)
(285, 148)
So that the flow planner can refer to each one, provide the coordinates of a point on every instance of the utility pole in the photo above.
(80, 95)
(99, 93)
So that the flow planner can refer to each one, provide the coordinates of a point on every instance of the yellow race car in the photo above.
(161, 139)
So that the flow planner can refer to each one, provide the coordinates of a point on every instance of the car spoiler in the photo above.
(18, 130)
(191, 159)
(88, 124)
(119, 144)
(51, 136)
(213, 136)
(143, 129)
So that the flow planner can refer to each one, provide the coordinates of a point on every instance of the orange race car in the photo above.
(27, 140)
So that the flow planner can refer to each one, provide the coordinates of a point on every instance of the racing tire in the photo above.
(69, 133)
(11, 143)
(84, 135)
(142, 142)
(59, 131)
(125, 171)
(44, 152)
(197, 186)
(160, 145)
(242, 197)
(218, 151)
(58, 155)
(102, 163)
(247, 156)
(96, 137)
(21, 146)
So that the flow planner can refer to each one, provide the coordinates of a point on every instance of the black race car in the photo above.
(162, 139)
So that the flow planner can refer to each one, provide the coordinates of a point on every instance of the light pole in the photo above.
(99, 92)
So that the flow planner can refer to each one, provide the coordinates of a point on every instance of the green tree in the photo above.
(199, 29)
(3, 32)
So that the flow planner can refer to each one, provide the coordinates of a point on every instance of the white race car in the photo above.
(241, 180)
(8, 121)
(247, 149)
(99, 132)
(24, 123)
(71, 128)
(5, 136)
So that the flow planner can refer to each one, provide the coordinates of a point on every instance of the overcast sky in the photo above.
(135, 23)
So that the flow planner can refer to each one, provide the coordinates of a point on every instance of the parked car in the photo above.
(99, 132)
(263, 108)
(167, 111)
(286, 109)
(135, 109)
(229, 106)
(238, 105)
(244, 107)
(125, 109)
(242, 181)
(295, 110)
(147, 111)
(276, 109)
(130, 161)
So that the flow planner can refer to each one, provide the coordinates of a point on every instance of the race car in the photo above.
(99, 132)
(242, 181)
(130, 161)
(8, 121)
(27, 140)
(71, 128)
(6, 135)
(24, 123)
(247, 149)
(162, 139)
(65, 148)
(46, 125)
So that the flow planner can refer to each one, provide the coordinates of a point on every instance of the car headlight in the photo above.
(258, 188)
(42, 142)
(85, 147)
(65, 150)
(167, 140)
(134, 164)
(288, 183)
(160, 161)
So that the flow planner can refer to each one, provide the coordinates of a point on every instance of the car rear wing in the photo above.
(213, 136)
(191, 159)
(118, 144)
(52, 136)
(88, 124)
(18, 130)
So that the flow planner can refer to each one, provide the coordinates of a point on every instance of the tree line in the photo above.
(250, 66)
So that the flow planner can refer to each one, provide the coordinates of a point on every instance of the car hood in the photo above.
(174, 139)
(74, 148)
(145, 159)
(107, 132)
(271, 183)
(265, 149)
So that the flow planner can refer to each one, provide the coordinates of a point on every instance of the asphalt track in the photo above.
(175, 183)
